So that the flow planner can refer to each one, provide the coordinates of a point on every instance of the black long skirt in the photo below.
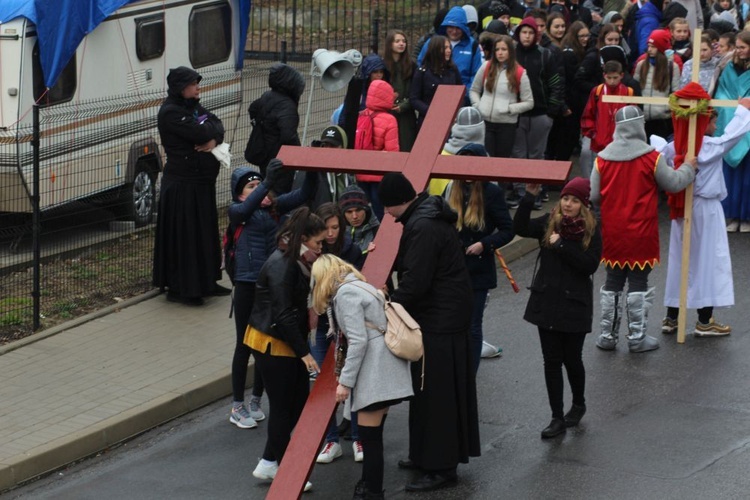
(443, 417)
(187, 252)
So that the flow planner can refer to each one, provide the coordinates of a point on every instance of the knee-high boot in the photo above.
(638, 304)
(611, 303)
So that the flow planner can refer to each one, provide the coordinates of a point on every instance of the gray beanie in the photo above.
(469, 128)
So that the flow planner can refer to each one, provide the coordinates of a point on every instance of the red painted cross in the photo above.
(424, 162)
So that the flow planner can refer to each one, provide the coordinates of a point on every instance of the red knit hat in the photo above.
(580, 187)
(661, 39)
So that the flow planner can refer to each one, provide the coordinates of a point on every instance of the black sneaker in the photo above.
(512, 200)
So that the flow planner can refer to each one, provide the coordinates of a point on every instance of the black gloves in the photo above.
(278, 179)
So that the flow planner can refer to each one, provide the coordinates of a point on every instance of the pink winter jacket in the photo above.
(380, 100)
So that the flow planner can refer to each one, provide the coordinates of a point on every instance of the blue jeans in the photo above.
(477, 315)
(318, 351)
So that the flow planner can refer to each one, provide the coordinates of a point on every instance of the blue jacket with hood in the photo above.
(466, 54)
(257, 240)
(647, 19)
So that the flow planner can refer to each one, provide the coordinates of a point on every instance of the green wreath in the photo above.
(682, 112)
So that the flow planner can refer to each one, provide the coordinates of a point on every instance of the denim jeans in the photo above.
(477, 315)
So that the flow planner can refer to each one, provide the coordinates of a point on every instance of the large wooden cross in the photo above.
(423, 162)
(691, 153)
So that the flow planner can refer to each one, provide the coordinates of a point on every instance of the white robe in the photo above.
(710, 281)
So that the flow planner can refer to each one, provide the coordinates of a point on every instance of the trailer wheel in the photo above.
(140, 196)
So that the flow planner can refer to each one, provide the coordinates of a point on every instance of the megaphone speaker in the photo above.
(335, 70)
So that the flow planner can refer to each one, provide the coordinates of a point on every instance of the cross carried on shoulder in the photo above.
(424, 162)
(691, 153)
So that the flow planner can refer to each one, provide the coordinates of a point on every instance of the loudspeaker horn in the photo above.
(335, 68)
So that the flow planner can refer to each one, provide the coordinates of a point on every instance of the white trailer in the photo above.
(98, 134)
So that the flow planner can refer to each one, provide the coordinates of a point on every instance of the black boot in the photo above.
(574, 415)
(433, 481)
(359, 490)
(555, 428)
(371, 495)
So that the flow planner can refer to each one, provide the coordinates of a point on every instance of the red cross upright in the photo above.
(424, 162)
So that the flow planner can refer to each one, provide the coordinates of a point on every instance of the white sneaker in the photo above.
(241, 418)
(331, 451)
(745, 226)
(269, 472)
(266, 471)
(732, 225)
(490, 351)
(359, 454)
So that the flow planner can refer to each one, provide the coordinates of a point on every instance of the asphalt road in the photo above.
(670, 424)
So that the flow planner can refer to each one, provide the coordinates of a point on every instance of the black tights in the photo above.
(372, 446)
(244, 296)
(558, 349)
(704, 313)
(287, 386)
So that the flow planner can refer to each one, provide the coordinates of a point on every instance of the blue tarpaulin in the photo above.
(61, 25)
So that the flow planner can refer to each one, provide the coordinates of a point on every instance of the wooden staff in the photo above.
(505, 268)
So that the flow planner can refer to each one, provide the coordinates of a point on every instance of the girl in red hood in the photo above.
(378, 104)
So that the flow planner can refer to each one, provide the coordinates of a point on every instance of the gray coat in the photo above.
(372, 372)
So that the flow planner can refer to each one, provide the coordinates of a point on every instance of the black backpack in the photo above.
(256, 151)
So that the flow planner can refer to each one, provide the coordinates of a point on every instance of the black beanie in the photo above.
(395, 189)
(242, 182)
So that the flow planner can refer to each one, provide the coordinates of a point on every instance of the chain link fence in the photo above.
(100, 162)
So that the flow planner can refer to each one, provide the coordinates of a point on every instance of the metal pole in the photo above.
(283, 51)
(294, 27)
(35, 220)
(309, 102)
(375, 31)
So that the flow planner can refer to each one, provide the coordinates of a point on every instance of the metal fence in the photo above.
(96, 230)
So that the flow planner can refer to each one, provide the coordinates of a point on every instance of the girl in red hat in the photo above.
(659, 76)
(562, 293)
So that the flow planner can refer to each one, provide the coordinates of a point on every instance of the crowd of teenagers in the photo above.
(534, 77)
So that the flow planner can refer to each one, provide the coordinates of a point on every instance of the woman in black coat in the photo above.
(437, 69)
(561, 301)
(277, 332)
(484, 224)
(187, 254)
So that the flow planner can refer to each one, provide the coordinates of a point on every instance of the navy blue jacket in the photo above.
(258, 238)
(496, 216)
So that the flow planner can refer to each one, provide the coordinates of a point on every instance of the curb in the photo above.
(47, 458)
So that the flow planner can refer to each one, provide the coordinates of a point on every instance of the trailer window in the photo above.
(149, 37)
(210, 33)
(62, 91)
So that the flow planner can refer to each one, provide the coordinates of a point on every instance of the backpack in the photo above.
(600, 89)
(256, 151)
(402, 334)
(364, 137)
(229, 246)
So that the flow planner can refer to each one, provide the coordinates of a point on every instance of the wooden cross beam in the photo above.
(423, 162)
(691, 153)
